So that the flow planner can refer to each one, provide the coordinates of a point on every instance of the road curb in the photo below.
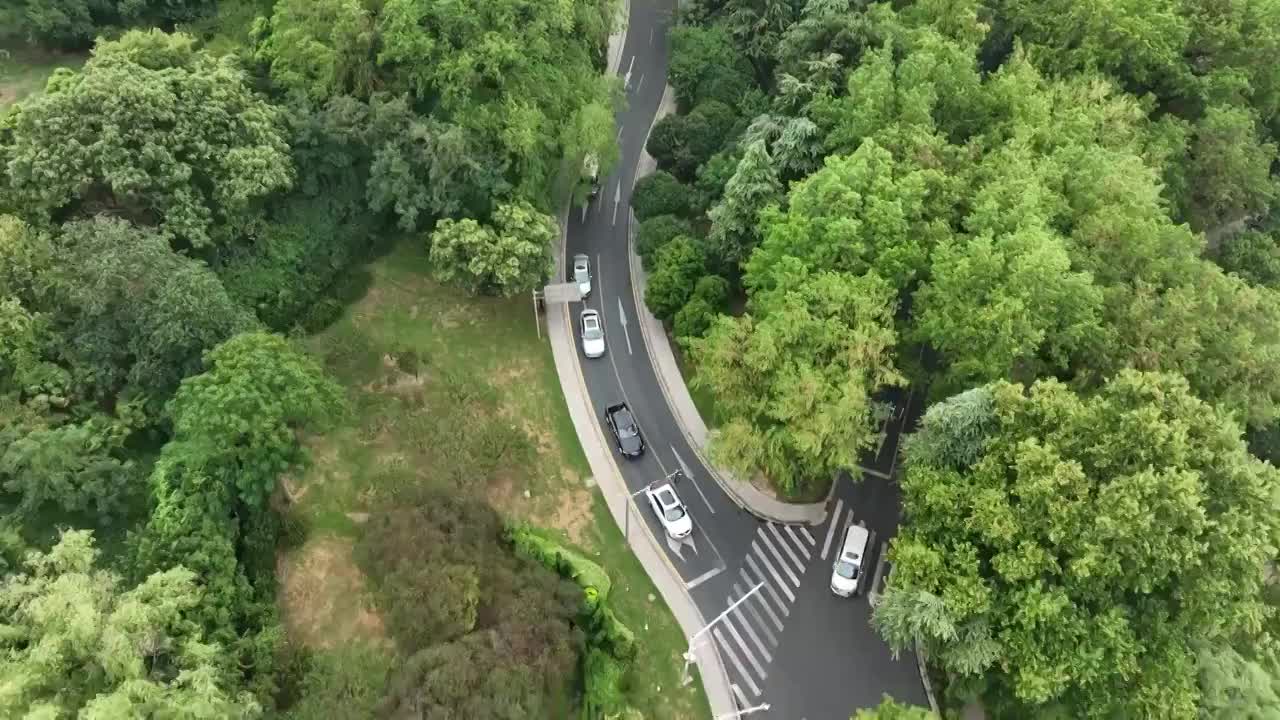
(676, 391)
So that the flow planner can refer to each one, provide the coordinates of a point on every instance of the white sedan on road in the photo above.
(582, 274)
(670, 511)
(592, 334)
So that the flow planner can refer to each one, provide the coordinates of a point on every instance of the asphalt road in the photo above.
(791, 644)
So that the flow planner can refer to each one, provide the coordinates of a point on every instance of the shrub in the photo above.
(676, 271)
(660, 194)
(1253, 256)
(694, 319)
(653, 234)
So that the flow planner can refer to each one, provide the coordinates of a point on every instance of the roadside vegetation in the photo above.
(270, 429)
(1057, 221)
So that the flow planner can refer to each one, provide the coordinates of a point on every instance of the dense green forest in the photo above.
(1056, 218)
(174, 216)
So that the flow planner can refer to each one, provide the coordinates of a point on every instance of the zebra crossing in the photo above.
(748, 635)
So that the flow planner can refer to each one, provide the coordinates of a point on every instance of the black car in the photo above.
(626, 432)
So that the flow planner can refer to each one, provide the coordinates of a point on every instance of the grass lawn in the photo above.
(24, 70)
(409, 353)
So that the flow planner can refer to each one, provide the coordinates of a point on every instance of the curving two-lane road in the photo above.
(792, 644)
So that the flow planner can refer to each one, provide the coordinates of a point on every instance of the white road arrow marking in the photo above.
(617, 198)
(622, 318)
(677, 546)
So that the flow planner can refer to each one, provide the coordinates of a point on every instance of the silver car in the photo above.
(592, 334)
(582, 273)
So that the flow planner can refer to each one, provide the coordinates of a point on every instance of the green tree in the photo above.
(794, 378)
(1233, 685)
(422, 168)
(241, 415)
(1007, 307)
(1085, 551)
(705, 65)
(676, 270)
(137, 315)
(1254, 256)
(660, 194)
(735, 227)
(860, 212)
(516, 76)
(79, 643)
(321, 48)
(695, 318)
(888, 709)
(153, 130)
(682, 143)
(76, 466)
(511, 257)
(655, 232)
(1215, 329)
(1230, 167)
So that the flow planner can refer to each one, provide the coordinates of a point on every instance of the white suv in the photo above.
(847, 572)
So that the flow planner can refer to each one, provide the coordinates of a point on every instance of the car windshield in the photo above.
(847, 570)
(674, 513)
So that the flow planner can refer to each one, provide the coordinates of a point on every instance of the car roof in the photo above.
(589, 313)
(855, 542)
(665, 494)
(580, 259)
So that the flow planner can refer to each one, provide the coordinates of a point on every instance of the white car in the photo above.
(670, 511)
(582, 273)
(847, 572)
(592, 334)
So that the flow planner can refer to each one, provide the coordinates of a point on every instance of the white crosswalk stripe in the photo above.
(746, 650)
(737, 618)
(795, 581)
(751, 560)
(750, 632)
(786, 547)
(759, 599)
(804, 549)
(755, 615)
(733, 658)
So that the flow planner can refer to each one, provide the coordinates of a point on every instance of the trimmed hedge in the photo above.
(611, 645)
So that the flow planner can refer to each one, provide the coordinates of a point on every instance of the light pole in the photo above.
(693, 641)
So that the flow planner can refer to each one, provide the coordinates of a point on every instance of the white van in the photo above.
(847, 572)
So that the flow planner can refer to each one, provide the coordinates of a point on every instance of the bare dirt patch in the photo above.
(324, 595)
(573, 515)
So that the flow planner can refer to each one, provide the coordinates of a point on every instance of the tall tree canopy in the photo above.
(794, 378)
(153, 130)
(77, 642)
(1075, 551)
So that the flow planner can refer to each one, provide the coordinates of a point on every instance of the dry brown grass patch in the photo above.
(324, 595)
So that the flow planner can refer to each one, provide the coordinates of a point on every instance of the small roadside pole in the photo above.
(693, 641)
(626, 522)
(537, 305)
